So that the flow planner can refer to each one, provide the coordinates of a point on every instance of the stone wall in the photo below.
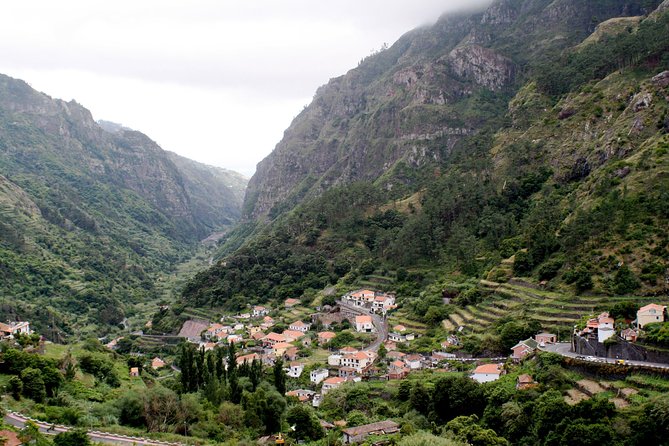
(619, 350)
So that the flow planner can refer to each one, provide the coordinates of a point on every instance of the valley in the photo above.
(461, 241)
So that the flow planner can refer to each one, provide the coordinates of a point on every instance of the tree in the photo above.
(466, 429)
(306, 424)
(279, 376)
(15, 387)
(383, 351)
(77, 437)
(33, 384)
(624, 310)
(52, 380)
(161, 409)
(131, 410)
(426, 439)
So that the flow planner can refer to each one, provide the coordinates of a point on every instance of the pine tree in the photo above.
(279, 376)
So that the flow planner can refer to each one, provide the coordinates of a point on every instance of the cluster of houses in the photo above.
(602, 326)
(374, 301)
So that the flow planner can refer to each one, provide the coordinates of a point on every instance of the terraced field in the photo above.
(557, 312)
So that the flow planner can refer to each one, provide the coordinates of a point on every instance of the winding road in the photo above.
(380, 324)
(17, 420)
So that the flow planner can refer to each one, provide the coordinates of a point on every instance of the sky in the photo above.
(217, 81)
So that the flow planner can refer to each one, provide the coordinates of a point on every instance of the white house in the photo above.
(414, 361)
(383, 303)
(259, 311)
(295, 370)
(357, 361)
(487, 373)
(364, 324)
(332, 383)
(318, 375)
(300, 326)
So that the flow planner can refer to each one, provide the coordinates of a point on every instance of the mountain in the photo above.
(400, 112)
(90, 213)
(533, 131)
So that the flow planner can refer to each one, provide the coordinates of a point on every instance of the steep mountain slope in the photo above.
(400, 113)
(88, 215)
(562, 165)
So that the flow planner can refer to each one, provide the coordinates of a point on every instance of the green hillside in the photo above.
(89, 218)
(564, 167)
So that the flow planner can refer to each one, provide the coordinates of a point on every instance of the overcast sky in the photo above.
(217, 81)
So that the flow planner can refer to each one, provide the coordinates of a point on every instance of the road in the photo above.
(564, 349)
(19, 421)
(380, 324)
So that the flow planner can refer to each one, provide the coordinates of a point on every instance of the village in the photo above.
(317, 361)
(353, 341)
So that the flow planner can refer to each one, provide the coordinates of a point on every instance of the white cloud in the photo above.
(215, 80)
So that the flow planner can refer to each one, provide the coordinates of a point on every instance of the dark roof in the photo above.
(385, 427)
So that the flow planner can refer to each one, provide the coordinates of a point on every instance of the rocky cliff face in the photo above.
(42, 133)
(400, 113)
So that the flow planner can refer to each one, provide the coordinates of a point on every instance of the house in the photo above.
(360, 433)
(292, 335)
(604, 333)
(524, 348)
(300, 326)
(302, 394)
(208, 346)
(332, 383)
(334, 359)
(234, 339)
(267, 321)
(258, 336)
(291, 354)
(157, 363)
(649, 314)
(324, 337)
(629, 335)
(383, 303)
(361, 298)
(364, 324)
(390, 346)
(272, 339)
(316, 401)
(395, 355)
(347, 372)
(545, 338)
(318, 375)
(280, 348)
(358, 361)
(290, 302)
(15, 328)
(525, 382)
(399, 328)
(295, 369)
(397, 370)
(215, 332)
(487, 373)
(259, 311)
(414, 361)
(400, 337)
(134, 371)
(253, 330)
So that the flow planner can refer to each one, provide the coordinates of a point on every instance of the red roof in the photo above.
(489, 369)
(655, 307)
(327, 334)
(363, 319)
(334, 380)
